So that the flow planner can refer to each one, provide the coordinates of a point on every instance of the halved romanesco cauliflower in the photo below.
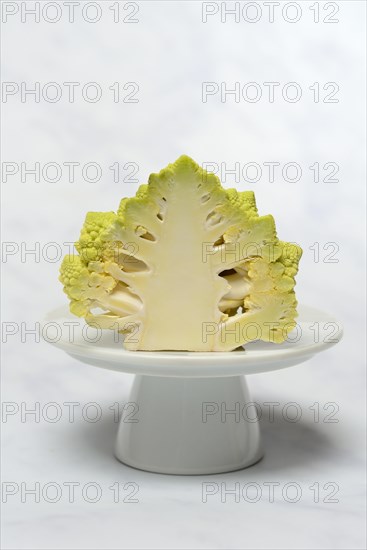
(184, 265)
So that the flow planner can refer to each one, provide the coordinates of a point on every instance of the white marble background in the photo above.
(169, 53)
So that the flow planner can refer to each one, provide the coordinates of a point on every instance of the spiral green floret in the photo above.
(245, 201)
(85, 288)
(93, 241)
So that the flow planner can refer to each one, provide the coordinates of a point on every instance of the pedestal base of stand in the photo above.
(189, 426)
(186, 424)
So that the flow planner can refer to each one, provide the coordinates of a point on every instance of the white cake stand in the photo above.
(193, 411)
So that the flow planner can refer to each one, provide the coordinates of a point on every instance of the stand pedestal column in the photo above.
(189, 426)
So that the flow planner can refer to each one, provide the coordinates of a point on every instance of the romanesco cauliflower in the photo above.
(184, 265)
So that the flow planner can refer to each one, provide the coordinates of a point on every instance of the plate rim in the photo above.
(190, 363)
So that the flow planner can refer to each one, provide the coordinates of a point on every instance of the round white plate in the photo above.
(316, 331)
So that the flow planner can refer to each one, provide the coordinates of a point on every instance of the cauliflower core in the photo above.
(184, 265)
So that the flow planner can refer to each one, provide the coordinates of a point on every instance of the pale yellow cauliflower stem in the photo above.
(184, 265)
